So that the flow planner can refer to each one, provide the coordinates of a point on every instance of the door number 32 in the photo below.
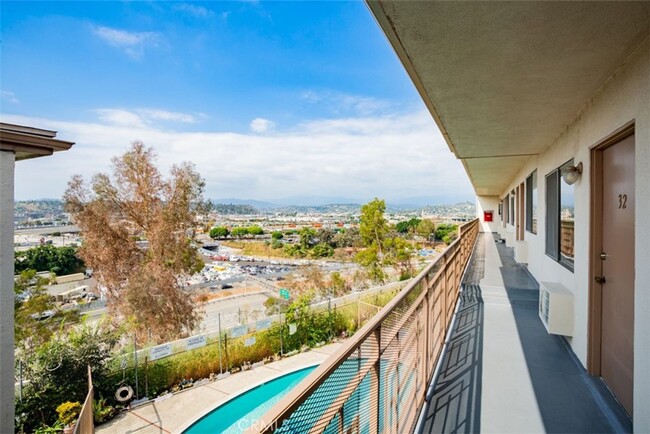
(622, 201)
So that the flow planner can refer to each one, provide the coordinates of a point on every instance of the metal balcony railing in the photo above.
(378, 380)
(85, 423)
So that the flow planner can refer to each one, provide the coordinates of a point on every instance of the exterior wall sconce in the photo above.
(572, 173)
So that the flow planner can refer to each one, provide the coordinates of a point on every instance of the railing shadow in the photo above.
(455, 406)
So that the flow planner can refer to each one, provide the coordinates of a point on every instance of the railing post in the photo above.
(444, 294)
(374, 383)
(427, 330)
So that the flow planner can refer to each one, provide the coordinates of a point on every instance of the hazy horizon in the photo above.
(315, 201)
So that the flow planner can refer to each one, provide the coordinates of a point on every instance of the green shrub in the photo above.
(255, 230)
(59, 260)
(102, 411)
(56, 428)
(322, 250)
(58, 371)
(446, 232)
(68, 412)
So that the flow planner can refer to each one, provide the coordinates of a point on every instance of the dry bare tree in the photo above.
(138, 230)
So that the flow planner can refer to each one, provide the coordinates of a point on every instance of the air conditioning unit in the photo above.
(510, 238)
(556, 308)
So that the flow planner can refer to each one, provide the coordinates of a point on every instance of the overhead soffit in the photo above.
(505, 78)
(491, 176)
(28, 142)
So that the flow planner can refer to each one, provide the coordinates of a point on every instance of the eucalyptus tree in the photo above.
(138, 237)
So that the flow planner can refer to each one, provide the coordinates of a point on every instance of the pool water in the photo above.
(238, 414)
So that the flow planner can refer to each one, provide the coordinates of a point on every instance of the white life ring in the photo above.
(124, 394)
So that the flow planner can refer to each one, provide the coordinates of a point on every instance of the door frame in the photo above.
(595, 239)
(520, 211)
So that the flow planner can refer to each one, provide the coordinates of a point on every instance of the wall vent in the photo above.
(556, 308)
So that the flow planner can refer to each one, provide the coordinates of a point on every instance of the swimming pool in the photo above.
(238, 414)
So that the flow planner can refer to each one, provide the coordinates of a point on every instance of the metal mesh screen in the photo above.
(378, 380)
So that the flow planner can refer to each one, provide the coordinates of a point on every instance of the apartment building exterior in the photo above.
(17, 142)
(528, 95)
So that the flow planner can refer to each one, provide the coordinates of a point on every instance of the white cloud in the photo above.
(339, 102)
(132, 43)
(196, 11)
(391, 157)
(164, 115)
(119, 117)
(138, 118)
(260, 125)
(9, 96)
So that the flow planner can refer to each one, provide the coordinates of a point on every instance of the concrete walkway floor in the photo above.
(502, 372)
(177, 413)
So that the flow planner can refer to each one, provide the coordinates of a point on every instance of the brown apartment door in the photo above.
(617, 265)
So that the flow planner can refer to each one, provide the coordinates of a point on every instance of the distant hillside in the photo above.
(258, 204)
(231, 209)
(461, 209)
(318, 209)
(54, 208)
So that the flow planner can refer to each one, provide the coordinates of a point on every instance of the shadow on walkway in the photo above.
(456, 403)
(569, 399)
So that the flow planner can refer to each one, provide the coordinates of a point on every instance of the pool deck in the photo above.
(178, 412)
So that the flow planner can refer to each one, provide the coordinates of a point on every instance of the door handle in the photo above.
(600, 279)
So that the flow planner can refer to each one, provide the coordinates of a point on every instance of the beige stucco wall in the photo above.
(7, 395)
(625, 97)
(488, 203)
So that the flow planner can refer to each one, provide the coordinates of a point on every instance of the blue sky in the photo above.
(269, 99)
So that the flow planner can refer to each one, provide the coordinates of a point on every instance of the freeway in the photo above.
(232, 309)
(70, 229)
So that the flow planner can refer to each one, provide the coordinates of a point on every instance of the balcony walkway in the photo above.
(502, 372)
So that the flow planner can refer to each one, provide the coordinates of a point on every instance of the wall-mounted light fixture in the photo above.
(572, 173)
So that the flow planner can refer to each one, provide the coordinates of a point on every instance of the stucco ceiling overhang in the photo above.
(504, 79)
